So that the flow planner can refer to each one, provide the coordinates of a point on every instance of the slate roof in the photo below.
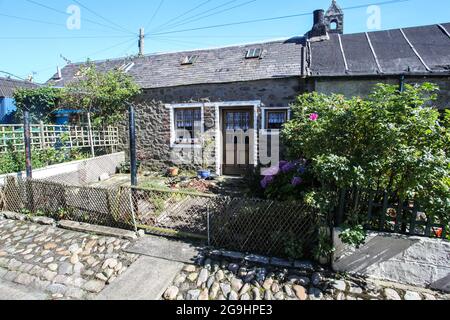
(417, 50)
(7, 86)
(280, 59)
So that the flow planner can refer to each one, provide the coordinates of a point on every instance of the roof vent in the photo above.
(254, 53)
(189, 60)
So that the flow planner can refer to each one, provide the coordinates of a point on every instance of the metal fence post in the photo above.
(208, 216)
(133, 160)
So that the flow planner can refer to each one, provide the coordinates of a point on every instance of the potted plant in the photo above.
(207, 143)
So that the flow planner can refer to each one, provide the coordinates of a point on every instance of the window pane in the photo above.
(187, 122)
(276, 119)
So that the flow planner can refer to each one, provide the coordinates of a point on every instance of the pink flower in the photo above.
(314, 117)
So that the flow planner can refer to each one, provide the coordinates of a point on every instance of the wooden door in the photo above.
(236, 128)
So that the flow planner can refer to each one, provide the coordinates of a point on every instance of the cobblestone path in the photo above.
(60, 263)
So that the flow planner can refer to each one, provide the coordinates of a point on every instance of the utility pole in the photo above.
(141, 42)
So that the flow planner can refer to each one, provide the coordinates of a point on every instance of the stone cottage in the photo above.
(237, 98)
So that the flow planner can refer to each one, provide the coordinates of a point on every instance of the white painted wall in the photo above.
(77, 172)
(410, 260)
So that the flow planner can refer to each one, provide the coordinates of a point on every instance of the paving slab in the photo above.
(14, 292)
(168, 249)
(146, 279)
(96, 229)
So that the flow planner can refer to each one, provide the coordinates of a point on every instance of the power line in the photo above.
(65, 14)
(183, 14)
(63, 37)
(154, 14)
(12, 75)
(188, 19)
(102, 17)
(87, 56)
(30, 19)
(212, 14)
(104, 50)
(273, 18)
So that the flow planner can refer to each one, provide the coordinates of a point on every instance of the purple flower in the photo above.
(266, 181)
(314, 117)
(273, 171)
(288, 167)
(296, 181)
(282, 164)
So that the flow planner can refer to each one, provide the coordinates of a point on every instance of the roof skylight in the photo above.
(253, 53)
(189, 60)
(126, 67)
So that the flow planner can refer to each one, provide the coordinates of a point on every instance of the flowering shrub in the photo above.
(391, 140)
(286, 181)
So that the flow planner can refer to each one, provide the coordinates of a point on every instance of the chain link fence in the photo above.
(283, 229)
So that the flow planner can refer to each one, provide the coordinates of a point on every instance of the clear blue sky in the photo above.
(33, 38)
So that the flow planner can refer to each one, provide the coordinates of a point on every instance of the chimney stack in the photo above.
(141, 42)
(319, 17)
(319, 30)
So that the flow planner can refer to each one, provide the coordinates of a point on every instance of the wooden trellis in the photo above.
(47, 136)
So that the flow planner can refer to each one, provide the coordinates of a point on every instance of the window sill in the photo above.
(185, 146)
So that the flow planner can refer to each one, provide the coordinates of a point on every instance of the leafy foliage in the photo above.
(14, 161)
(40, 102)
(103, 94)
(355, 236)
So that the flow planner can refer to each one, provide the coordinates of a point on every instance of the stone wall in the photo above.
(153, 119)
(412, 260)
(362, 87)
(77, 173)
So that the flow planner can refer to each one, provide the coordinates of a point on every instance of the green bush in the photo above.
(14, 161)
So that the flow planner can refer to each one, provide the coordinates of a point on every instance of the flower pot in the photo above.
(204, 174)
(173, 172)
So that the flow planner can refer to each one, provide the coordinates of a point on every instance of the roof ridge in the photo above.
(268, 41)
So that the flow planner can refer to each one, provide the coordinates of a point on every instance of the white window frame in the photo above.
(173, 136)
(264, 110)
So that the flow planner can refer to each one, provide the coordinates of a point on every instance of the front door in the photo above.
(237, 125)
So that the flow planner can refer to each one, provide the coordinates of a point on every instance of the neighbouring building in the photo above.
(214, 93)
(7, 105)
